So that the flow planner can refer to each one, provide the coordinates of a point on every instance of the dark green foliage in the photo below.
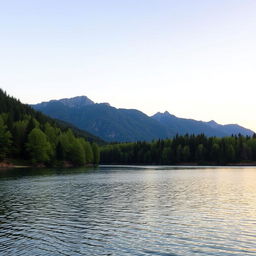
(76, 153)
(87, 150)
(38, 147)
(28, 134)
(60, 152)
(18, 111)
(183, 150)
(5, 139)
(96, 153)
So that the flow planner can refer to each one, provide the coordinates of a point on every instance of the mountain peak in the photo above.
(75, 102)
(212, 122)
(165, 114)
(78, 101)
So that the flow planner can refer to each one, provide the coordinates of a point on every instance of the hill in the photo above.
(28, 134)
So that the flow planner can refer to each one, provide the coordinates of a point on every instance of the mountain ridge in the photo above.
(127, 125)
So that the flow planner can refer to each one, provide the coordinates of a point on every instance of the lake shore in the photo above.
(21, 164)
(10, 163)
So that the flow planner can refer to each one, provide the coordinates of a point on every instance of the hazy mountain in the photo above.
(113, 124)
(230, 128)
(76, 102)
(183, 126)
(105, 121)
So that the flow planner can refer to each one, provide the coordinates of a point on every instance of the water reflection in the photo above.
(128, 211)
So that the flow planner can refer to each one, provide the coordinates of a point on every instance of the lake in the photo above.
(122, 210)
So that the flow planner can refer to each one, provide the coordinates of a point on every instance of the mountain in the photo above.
(183, 126)
(231, 128)
(105, 121)
(190, 126)
(113, 124)
(76, 102)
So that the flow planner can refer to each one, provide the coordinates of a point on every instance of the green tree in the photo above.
(19, 136)
(63, 146)
(230, 153)
(51, 133)
(76, 153)
(96, 153)
(166, 155)
(87, 150)
(67, 140)
(186, 153)
(5, 140)
(215, 153)
(179, 153)
(60, 152)
(38, 147)
(200, 152)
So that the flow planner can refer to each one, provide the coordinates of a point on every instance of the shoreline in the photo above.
(253, 164)
(8, 164)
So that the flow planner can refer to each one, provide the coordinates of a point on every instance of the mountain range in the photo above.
(127, 125)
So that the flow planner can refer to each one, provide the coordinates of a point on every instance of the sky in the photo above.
(195, 59)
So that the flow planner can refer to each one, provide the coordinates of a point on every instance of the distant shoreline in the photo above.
(10, 165)
(4, 165)
(185, 164)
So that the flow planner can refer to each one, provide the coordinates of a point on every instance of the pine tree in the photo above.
(5, 140)
(38, 147)
(96, 153)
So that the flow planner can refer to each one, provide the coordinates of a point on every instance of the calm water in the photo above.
(128, 211)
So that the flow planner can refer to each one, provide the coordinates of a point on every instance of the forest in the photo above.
(34, 138)
(26, 134)
(187, 149)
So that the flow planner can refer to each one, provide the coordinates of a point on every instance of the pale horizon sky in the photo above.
(195, 59)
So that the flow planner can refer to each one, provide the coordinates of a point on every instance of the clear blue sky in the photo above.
(195, 59)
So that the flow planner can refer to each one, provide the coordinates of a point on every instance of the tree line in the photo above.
(187, 149)
(44, 143)
(30, 135)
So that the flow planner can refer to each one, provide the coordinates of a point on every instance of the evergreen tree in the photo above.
(60, 152)
(186, 153)
(88, 151)
(30, 135)
(167, 155)
(76, 153)
(38, 147)
(96, 153)
(19, 136)
(215, 153)
(5, 140)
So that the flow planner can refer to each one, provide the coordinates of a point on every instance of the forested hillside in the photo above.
(188, 149)
(26, 134)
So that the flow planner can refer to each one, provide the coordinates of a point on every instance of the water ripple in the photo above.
(128, 211)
